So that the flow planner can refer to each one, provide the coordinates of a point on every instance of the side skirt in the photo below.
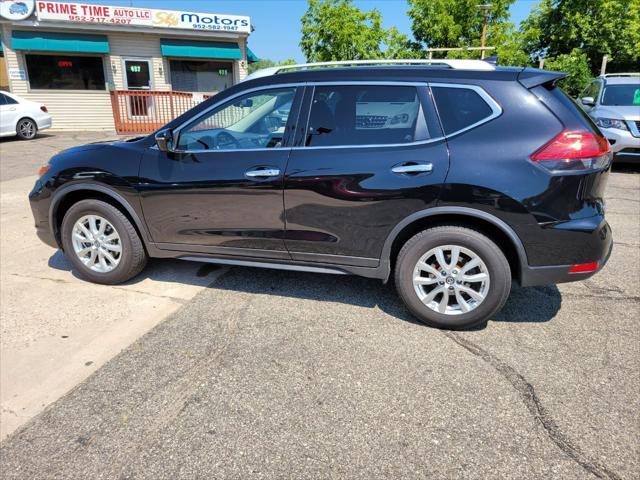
(381, 272)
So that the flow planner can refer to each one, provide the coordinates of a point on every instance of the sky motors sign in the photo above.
(107, 14)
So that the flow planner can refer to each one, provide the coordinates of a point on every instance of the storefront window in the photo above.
(200, 76)
(64, 72)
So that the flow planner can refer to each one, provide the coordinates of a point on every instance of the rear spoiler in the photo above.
(532, 77)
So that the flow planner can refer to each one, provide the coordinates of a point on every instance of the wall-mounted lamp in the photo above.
(114, 68)
(160, 70)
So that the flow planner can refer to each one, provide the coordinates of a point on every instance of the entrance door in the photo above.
(138, 77)
(220, 191)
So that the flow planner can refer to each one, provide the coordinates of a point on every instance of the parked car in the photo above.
(454, 177)
(613, 101)
(22, 118)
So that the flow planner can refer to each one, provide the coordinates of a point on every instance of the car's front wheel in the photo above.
(102, 243)
(26, 129)
(452, 277)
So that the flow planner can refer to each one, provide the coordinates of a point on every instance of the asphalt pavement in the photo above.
(270, 374)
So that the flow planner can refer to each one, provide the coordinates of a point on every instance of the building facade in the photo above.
(97, 66)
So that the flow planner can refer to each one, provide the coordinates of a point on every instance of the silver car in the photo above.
(613, 102)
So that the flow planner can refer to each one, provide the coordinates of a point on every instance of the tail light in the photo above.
(44, 109)
(573, 150)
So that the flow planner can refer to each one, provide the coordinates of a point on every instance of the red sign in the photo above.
(65, 64)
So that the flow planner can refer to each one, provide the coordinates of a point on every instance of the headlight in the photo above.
(611, 123)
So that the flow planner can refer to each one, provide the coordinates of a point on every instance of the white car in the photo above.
(613, 102)
(22, 118)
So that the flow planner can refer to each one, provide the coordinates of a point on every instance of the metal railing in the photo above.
(143, 111)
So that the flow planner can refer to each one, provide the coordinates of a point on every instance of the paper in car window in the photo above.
(636, 97)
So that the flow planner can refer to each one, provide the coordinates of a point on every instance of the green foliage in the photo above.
(453, 23)
(576, 65)
(265, 63)
(596, 27)
(337, 30)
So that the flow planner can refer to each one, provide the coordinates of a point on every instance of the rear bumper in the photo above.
(44, 123)
(598, 241)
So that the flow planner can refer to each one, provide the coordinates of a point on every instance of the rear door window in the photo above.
(460, 108)
(350, 115)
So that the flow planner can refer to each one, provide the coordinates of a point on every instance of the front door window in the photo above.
(255, 120)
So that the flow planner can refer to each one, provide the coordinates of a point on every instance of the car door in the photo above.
(220, 191)
(371, 155)
(9, 114)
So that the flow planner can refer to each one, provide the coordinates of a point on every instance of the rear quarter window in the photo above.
(459, 108)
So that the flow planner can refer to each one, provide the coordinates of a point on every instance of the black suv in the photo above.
(455, 177)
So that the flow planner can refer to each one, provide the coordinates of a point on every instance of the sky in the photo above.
(277, 22)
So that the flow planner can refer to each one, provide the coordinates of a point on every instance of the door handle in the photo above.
(262, 173)
(413, 168)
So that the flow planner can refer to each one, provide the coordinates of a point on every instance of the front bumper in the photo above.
(592, 242)
(623, 143)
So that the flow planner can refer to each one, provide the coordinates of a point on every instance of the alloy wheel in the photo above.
(451, 280)
(97, 243)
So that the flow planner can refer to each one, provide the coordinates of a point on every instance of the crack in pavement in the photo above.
(181, 301)
(535, 407)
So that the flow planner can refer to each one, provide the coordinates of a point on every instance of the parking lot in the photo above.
(196, 371)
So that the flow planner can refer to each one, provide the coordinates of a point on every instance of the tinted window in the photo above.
(621, 95)
(255, 120)
(6, 100)
(64, 72)
(365, 115)
(459, 107)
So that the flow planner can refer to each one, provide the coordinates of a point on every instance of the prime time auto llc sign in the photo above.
(148, 17)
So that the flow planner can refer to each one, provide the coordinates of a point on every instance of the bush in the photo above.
(576, 66)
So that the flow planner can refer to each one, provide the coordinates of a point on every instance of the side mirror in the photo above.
(164, 140)
(588, 101)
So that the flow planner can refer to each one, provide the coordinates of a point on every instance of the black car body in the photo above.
(336, 198)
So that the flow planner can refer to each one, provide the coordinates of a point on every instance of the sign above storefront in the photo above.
(147, 17)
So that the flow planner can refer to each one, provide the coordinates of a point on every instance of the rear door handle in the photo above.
(413, 168)
(262, 173)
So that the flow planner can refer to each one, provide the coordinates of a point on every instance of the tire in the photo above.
(26, 129)
(131, 258)
(491, 279)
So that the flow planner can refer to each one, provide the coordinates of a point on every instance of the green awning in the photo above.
(197, 49)
(251, 57)
(59, 42)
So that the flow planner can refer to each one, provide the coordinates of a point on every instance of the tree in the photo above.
(596, 27)
(266, 63)
(576, 65)
(453, 23)
(338, 30)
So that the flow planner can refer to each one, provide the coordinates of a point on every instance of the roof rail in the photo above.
(456, 64)
(622, 74)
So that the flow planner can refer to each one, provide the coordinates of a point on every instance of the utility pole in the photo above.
(485, 7)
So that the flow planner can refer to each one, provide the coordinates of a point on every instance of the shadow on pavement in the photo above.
(525, 305)
(161, 270)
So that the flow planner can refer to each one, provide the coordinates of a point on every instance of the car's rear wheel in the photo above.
(452, 277)
(26, 129)
(102, 243)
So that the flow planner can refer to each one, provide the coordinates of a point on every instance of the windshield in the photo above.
(622, 95)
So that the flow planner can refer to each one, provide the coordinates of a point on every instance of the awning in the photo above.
(197, 49)
(251, 57)
(59, 42)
